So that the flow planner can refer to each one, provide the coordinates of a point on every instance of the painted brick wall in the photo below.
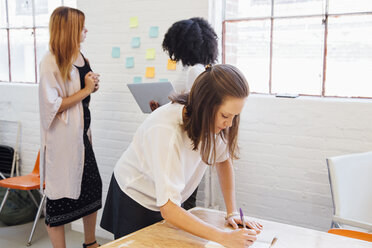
(282, 173)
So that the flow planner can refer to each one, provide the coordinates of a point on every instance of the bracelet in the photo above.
(231, 214)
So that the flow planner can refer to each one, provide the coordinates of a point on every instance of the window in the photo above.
(306, 47)
(24, 37)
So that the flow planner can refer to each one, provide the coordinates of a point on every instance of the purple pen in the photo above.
(242, 217)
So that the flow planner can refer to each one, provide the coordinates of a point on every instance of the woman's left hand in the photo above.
(235, 220)
(96, 81)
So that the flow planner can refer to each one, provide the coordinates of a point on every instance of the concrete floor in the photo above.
(17, 236)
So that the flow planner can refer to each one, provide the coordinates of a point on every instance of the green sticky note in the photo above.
(137, 80)
(150, 53)
(163, 80)
(154, 32)
(133, 22)
(129, 62)
(136, 42)
(115, 52)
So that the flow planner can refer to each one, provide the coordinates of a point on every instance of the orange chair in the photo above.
(28, 182)
(352, 234)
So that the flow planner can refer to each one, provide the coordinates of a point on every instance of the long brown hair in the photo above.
(208, 92)
(65, 28)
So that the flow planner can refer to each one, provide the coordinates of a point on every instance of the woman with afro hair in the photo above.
(194, 43)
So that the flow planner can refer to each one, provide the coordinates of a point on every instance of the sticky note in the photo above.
(129, 62)
(136, 42)
(150, 53)
(133, 22)
(115, 52)
(154, 31)
(150, 72)
(137, 80)
(171, 65)
(163, 80)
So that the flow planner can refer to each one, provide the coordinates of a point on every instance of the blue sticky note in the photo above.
(137, 80)
(115, 52)
(154, 31)
(136, 42)
(163, 80)
(129, 62)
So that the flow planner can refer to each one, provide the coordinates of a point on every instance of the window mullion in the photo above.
(271, 46)
(325, 23)
(34, 34)
(7, 33)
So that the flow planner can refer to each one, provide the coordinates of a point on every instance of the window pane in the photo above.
(22, 55)
(297, 56)
(296, 8)
(20, 13)
(4, 63)
(348, 6)
(247, 8)
(247, 46)
(69, 3)
(42, 40)
(2, 13)
(349, 59)
(44, 8)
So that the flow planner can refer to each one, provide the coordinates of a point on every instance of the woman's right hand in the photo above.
(239, 238)
(89, 82)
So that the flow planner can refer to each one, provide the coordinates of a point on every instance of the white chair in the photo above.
(350, 177)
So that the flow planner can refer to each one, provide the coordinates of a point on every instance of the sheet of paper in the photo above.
(133, 22)
(150, 72)
(136, 42)
(115, 53)
(154, 31)
(256, 244)
(171, 65)
(137, 80)
(129, 62)
(150, 53)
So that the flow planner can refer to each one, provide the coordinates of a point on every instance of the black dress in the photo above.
(66, 210)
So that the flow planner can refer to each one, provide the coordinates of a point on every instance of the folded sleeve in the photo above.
(162, 152)
(222, 151)
(49, 96)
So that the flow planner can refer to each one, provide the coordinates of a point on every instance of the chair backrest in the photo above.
(36, 170)
(352, 234)
(6, 159)
(351, 184)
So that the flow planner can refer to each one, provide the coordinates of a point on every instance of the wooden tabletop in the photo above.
(163, 234)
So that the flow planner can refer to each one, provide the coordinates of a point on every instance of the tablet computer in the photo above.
(146, 92)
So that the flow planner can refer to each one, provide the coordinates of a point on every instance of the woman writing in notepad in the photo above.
(169, 154)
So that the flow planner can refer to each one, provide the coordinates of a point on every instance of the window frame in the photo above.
(34, 29)
(325, 16)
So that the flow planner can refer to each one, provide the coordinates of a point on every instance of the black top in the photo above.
(84, 71)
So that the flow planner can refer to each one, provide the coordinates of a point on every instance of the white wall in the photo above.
(19, 102)
(282, 173)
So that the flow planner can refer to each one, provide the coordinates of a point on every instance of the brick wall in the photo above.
(282, 172)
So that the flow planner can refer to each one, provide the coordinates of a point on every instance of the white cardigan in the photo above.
(62, 145)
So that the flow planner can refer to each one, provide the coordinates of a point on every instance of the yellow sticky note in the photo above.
(150, 72)
(133, 22)
(171, 65)
(150, 53)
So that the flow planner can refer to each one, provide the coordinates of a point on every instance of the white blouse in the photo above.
(193, 72)
(62, 145)
(159, 164)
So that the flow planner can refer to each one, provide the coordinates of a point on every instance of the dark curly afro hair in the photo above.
(191, 41)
